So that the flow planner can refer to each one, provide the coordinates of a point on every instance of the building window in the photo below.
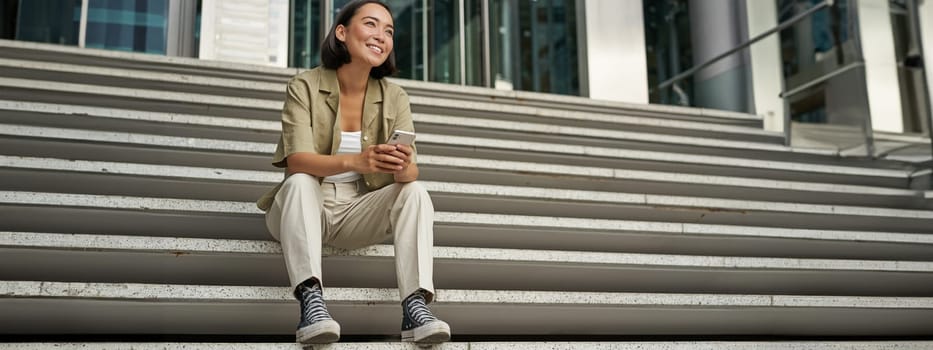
(48, 21)
(473, 42)
(534, 45)
(306, 33)
(165, 27)
(669, 50)
(127, 25)
(444, 41)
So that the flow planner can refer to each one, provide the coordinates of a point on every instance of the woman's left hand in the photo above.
(402, 152)
(409, 170)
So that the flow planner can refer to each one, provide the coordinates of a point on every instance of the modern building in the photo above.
(843, 63)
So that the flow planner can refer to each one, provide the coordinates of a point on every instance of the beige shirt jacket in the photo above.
(310, 122)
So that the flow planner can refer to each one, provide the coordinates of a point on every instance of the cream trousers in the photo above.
(306, 214)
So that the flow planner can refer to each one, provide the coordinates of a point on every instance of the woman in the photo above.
(344, 185)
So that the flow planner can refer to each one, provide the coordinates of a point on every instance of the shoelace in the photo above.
(312, 305)
(419, 311)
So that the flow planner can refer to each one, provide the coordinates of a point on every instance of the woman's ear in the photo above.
(341, 33)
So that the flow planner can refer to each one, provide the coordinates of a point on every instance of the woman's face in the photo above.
(368, 36)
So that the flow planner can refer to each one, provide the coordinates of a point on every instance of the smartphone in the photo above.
(401, 137)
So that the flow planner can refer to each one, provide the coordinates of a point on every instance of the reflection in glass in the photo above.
(409, 37)
(444, 41)
(307, 33)
(49, 21)
(911, 70)
(8, 12)
(669, 50)
(124, 25)
(811, 49)
(473, 27)
(534, 45)
(502, 36)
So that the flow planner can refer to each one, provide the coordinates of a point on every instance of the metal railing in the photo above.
(854, 62)
(786, 93)
(759, 37)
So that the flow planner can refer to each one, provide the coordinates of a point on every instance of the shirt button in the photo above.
(367, 184)
(365, 138)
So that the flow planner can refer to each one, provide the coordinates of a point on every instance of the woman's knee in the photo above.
(299, 181)
(413, 188)
(413, 193)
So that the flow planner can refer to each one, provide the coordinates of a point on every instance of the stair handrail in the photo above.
(757, 38)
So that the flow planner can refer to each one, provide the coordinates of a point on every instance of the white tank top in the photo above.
(349, 143)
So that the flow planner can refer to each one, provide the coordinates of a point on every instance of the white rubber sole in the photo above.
(321, 332)
(434, 332)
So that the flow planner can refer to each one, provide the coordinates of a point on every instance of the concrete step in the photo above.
(158, 99)
(45, 174)
(117, 147)
(144, 259)
(460, 169)
(446, 145)
(200, 126)
(125, 308)
(34, 168)
(499, 345)
(24, 55)
(23, 50)
(186, 218)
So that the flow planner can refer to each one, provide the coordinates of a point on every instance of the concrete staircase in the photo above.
(126, 216)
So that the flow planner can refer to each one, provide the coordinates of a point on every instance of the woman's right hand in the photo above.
(377, 159)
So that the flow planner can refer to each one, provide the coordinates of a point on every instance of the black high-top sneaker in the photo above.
(315, 325)
(418, 323)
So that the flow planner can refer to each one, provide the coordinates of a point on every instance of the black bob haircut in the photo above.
(334, 52)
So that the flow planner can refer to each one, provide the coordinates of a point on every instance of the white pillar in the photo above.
(715, 28)
(881, 78)
(925, 8)
(765, 56)
(247, 31)
(617, 68)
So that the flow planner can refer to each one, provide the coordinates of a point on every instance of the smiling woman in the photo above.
(372, 26)
(345, 186)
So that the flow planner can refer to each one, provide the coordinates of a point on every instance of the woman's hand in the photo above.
(403, 153)
(409, 170)
(381, 159)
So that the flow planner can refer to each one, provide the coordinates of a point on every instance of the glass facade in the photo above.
(811, 49)
(8, 12)
(125, 25)
(668, 50)
(534, 45)
(446, 41)
(911, 70)
(307, 33)
(48, 21)
(410, 36)
(508, 44)
(474, 50)
(128, 25)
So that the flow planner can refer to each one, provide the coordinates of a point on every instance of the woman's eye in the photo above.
(390, 33)
(371, 24)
